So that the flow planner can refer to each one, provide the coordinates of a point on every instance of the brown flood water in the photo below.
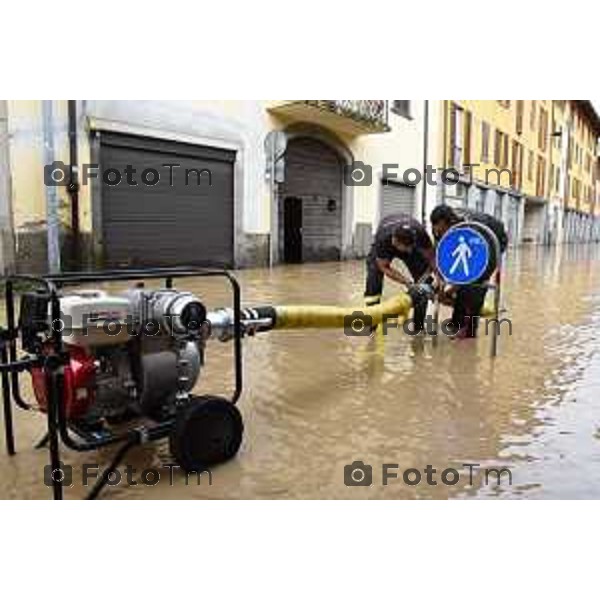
(315, 401)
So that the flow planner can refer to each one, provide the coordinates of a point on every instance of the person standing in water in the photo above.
(467, 299)
(402, 237)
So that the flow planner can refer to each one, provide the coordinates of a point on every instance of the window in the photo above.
(519, 124)
(485, 142)
(498, 148)
(505, 151)
(530, 166)
(517, 165)
(543, 130)
(456, 136)
(575, 190)
(532, 116)
(557, 180)
(467, 137)
(541, 177)
(401, 108)
(571, 151)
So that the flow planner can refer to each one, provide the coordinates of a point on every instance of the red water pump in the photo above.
(79, 384)
(121, 368)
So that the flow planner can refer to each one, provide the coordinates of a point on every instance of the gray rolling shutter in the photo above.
(397, 198)
(170, 223)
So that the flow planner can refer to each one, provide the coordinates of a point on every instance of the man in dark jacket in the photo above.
(468, 299)
(399, 236)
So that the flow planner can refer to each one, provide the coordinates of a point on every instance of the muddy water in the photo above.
(316, 401)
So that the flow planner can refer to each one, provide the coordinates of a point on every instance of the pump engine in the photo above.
(128, 354)
(135, 354)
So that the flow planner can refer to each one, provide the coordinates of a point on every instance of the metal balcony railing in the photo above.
(373, 113)
(353, 117)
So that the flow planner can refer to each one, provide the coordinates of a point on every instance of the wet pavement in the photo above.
(316, 401)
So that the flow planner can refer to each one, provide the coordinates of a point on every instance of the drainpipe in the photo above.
(445, 150)
(425, 160)
(73, 186)
(550, 205)
(565, 191)
(52, 216)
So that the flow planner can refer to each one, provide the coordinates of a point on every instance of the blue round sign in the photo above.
(462, 255)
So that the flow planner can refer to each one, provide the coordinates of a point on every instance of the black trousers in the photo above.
(467, 307)
(417, 267)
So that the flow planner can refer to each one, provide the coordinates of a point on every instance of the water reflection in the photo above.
(316, 401)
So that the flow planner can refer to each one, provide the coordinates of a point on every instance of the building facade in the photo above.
(528, 162)
(256, 182)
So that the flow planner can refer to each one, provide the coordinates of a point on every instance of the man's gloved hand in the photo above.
(421, 291)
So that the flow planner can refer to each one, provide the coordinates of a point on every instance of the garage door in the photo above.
(397, 198)
(186, 218)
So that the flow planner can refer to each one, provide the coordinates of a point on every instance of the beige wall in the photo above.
(241, 125)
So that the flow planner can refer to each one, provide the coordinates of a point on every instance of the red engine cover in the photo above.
(78, 393)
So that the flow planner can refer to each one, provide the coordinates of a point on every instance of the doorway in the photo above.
(312, 208)
(292, 230)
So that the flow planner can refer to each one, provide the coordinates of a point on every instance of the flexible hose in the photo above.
(266, 318)
(331, 317)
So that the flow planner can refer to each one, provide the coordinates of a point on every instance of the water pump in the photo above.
(119, 368)
(122, 367)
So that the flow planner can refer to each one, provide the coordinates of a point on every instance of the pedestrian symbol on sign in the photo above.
(463, 255)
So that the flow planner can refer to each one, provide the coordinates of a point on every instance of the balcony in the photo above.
(353, 117)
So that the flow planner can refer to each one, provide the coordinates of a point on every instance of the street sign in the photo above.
(462, 255)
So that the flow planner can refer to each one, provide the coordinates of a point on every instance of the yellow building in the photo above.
(274, 181)
(531, 163)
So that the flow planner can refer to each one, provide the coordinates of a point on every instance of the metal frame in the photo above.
(58, 428)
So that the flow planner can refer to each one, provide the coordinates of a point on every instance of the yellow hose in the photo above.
(323, 317)
(331, 317)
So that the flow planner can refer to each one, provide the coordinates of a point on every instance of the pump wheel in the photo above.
(207, 432)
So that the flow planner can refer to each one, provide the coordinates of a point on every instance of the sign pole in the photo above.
(497, 296)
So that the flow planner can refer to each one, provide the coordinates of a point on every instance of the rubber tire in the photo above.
(207, 432)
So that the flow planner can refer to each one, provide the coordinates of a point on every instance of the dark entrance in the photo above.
(292, 230)
(313, 176)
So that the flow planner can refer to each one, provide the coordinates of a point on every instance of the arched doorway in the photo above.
(311, 204)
